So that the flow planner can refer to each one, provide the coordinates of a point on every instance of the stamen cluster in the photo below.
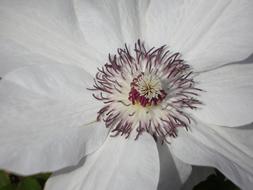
(149, 90)
(146, 90)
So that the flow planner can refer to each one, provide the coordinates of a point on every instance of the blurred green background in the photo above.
(13, 182)
(8, 181)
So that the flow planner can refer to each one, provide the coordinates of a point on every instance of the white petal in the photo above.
(173, 172)
(108, 24)
(119, 164)
(47, 118)
(207, 33)
(227, 149)
(47, 28)
(11, 55)
(199, 174)
(228, 99)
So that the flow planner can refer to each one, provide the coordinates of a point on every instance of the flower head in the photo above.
(147, 90)
(55, 105)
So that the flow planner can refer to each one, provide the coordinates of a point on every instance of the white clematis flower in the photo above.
(53, 113)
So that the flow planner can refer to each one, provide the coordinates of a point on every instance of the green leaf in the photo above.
(29, 183)
(4, 179)
(42, 178)
(9, 187)
(14, 178)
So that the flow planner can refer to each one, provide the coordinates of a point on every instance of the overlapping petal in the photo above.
(227, 149)
(208, 34)
(48, 28)
(47, 118)
(108, 24)
(228, 96)
(119, 164)
(173, 172)
(199, 174)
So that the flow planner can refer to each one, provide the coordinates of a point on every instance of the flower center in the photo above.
(147, 91)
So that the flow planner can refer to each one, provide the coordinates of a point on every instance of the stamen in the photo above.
(149, 90)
